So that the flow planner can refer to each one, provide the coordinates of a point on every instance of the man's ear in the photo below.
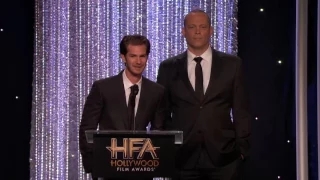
(123, 58)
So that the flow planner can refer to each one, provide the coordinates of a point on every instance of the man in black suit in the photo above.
(127, 101)
(204, 88)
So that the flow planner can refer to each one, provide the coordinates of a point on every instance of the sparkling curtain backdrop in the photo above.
(77, 42)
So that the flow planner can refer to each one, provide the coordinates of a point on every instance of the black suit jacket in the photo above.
(106, 106)
(208, 122)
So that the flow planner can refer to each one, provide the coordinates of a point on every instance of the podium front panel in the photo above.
(133, 155)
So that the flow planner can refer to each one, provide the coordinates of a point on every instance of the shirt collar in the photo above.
(207, 55)
(127, 83)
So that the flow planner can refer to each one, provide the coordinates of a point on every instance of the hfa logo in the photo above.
(131, 146)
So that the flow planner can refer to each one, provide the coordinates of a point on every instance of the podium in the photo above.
(133, 154)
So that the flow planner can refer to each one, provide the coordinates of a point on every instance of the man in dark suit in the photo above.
(127, 101)
(207, 101)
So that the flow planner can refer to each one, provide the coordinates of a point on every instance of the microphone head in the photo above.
(135, 89)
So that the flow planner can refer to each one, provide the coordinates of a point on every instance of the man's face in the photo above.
(197, 31)
(135, 59)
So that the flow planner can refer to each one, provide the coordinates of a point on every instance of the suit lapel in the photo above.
(183, 71)
(214, 75)
(123, 102)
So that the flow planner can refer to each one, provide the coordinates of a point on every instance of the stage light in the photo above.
(288, 141)
(256, 118)
(278, 177)
(1, 29)
(279, 61)
(17, 97)
(261, 9)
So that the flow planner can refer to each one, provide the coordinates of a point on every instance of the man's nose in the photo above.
(139, 60)
(197, 30)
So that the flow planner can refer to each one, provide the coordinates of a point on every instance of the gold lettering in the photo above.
(148, 147)
(143, 163)
(113, 162)
(156, 163)
(131, 146)
(114, 149)
(137, 163)
(119, 163)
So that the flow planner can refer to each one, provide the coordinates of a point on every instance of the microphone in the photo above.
(134, 92)
(135, 89)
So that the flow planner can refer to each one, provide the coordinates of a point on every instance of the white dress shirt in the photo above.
(127, 84)
(205, 64)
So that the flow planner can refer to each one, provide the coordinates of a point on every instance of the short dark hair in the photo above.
(196, 11)
(135, 39)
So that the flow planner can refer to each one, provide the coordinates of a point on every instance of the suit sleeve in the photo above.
(90, 119)
(157, 122)
(240, 110)
(162, 79)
